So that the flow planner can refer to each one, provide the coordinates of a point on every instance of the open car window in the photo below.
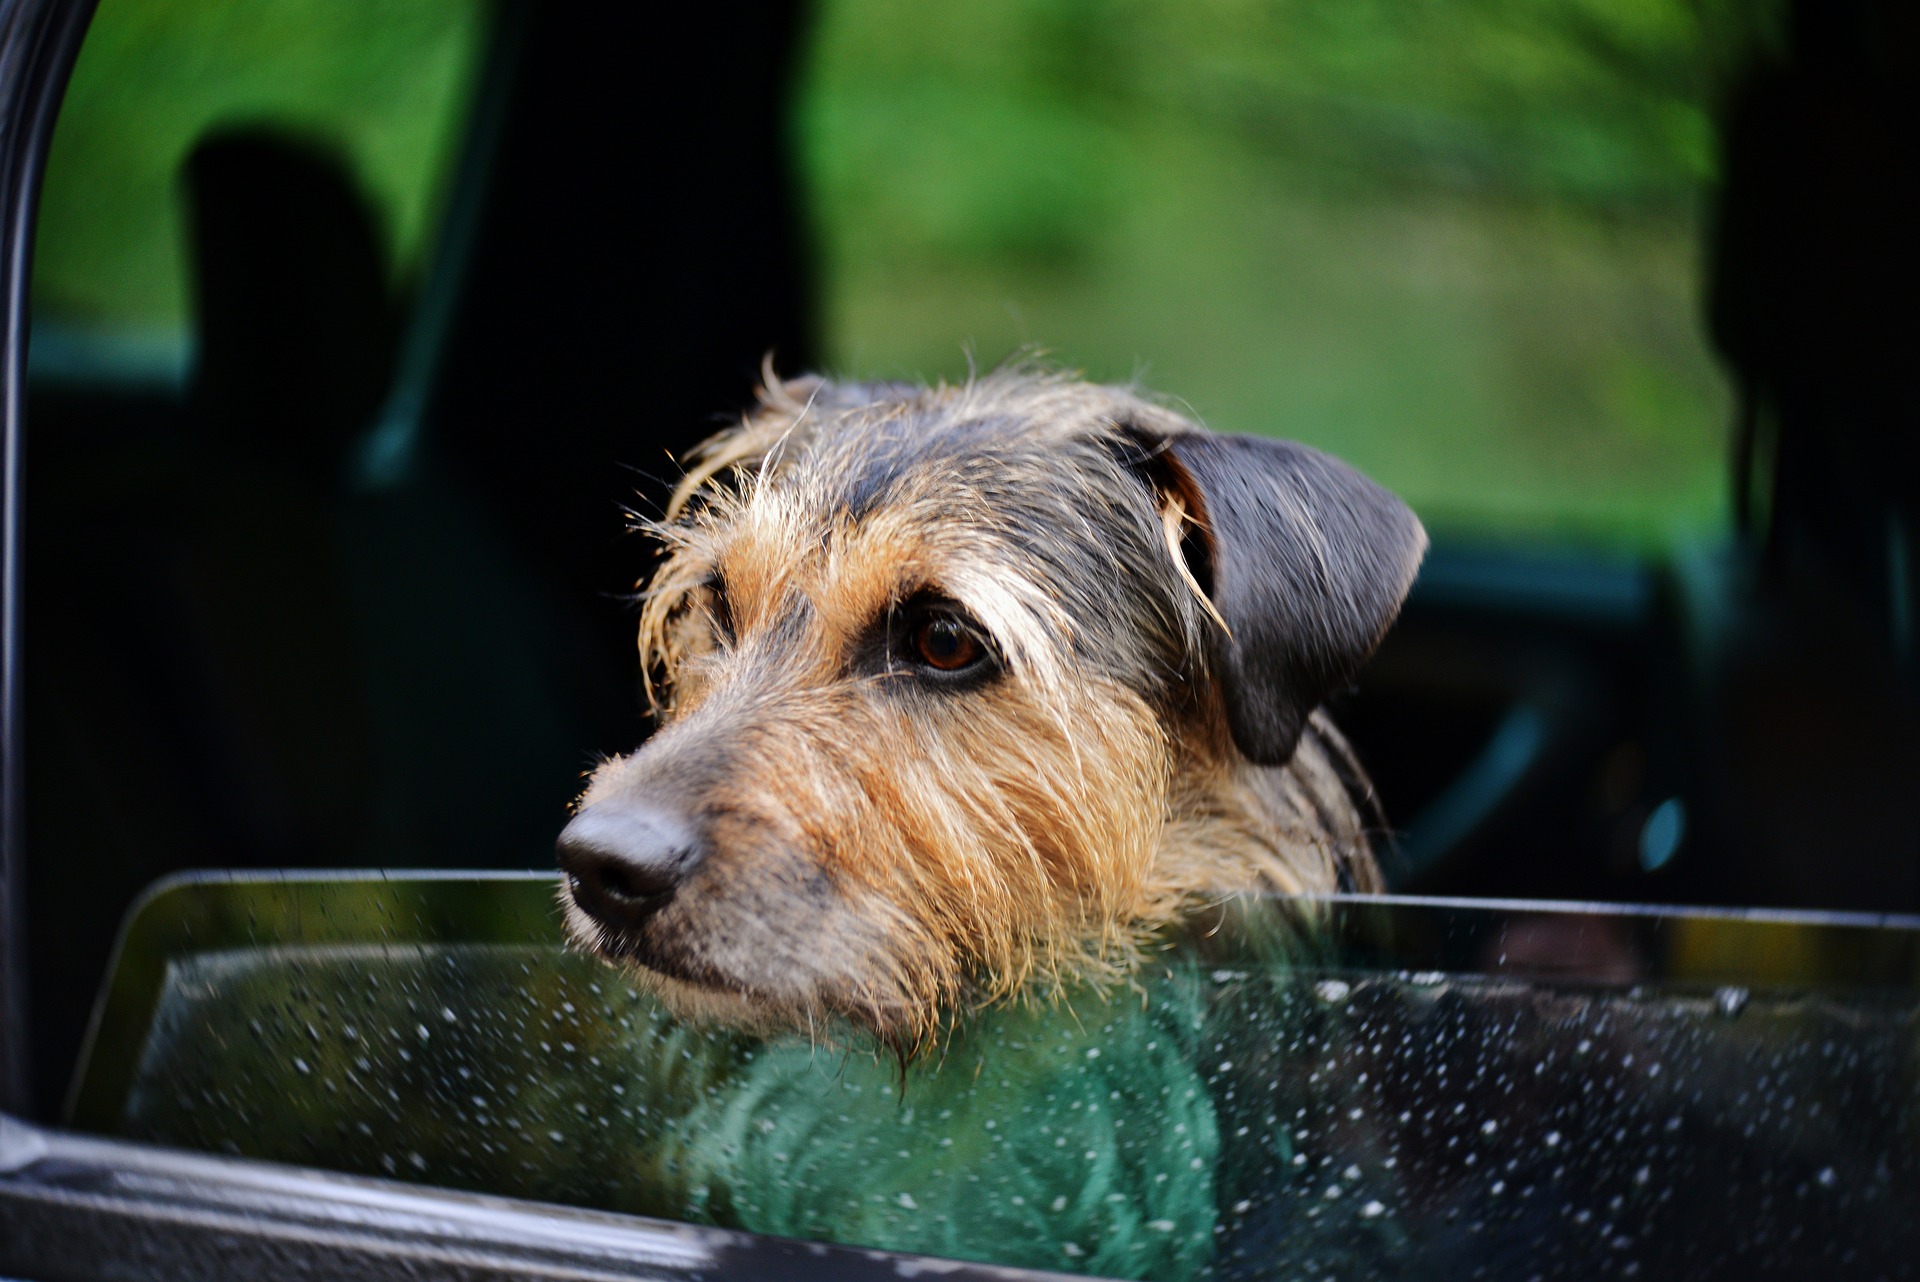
(1380, 1088)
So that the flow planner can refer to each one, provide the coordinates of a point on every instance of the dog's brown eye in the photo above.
(946, 644)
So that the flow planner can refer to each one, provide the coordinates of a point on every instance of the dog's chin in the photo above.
(697, 993)
(737, 1006)
(693, 1002)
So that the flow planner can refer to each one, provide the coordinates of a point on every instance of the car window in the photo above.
(382, 89)
(1348, 1087)
(1458, 245)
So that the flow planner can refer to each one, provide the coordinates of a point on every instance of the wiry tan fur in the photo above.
(885, 855)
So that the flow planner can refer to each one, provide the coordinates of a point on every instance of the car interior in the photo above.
(325, 558)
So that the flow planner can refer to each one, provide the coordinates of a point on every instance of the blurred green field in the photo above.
(1457, 242)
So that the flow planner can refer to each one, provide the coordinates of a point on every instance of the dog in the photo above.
(969, 692)
(971, 698)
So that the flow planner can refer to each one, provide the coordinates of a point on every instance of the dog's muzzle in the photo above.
(624, 860)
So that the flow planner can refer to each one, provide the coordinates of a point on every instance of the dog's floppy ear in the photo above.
(1305, 560)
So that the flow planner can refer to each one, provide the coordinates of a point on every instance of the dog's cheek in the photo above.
(1088, 781)
(1023, 827)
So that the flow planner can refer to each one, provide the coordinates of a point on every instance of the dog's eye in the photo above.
(946, 644)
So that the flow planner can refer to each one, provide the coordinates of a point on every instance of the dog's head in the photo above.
(929, 664)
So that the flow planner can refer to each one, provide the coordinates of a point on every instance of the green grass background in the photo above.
(1456, 241)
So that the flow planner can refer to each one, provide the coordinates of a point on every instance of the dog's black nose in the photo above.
(623, 862)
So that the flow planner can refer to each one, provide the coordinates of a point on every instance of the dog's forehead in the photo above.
(937, 461)
(934, 484)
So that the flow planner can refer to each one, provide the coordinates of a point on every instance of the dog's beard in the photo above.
(822, 1002)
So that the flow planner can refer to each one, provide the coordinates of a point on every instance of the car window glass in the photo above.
(1371, 1087)
(1459, 244)
(381, 89)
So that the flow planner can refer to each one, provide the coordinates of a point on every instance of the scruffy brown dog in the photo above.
(972, 690)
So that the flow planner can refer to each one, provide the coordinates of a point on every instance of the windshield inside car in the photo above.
(1357, 1088)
